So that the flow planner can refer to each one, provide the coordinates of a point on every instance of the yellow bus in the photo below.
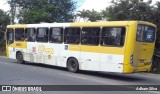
(111, 46)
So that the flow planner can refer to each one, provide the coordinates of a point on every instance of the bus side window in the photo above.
(30, 34)
(113, 36)
(19, 34)
(90, 35)
(72, 35)
(56, 35)
(42, 35)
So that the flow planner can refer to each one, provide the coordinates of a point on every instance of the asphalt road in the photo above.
(12, 73)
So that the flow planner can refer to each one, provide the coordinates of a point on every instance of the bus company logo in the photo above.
(6, 88)
(42, 48)
(18, 44)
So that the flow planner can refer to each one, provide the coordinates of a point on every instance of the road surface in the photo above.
(12, 73)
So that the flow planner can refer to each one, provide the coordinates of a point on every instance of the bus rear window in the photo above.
(145, 33)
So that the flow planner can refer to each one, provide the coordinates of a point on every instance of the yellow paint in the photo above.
(147, 23)
(42, 48)
(97, 49)
(130, 42)
(143, 52)
(15, 44)
(19, 44)
(100, 24)
(17, 26)
(74, 47)
(136, 48)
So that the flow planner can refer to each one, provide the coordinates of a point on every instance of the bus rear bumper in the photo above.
(143, 69)
(132, 69)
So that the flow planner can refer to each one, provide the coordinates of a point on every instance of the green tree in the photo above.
(35, 11)
(12, 10)
(156, 20)
(4, 21)
(91, 15)
(129, 10)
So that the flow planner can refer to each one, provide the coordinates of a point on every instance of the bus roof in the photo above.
(81, 24)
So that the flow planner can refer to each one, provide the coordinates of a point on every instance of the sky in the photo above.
(4, 5)
(94, 4)
(97, 5)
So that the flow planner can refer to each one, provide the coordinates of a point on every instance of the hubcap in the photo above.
(73, 64)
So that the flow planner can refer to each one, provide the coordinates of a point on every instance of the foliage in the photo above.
(35, 11)
(130, 10)
(4, 21)
(92, 15)
(156, 20)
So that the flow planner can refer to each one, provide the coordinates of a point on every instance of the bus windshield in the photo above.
(145, 33)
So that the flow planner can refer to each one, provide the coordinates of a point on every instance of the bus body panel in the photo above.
(111, 63)
(129, 47)
(138, 55)
(97, 58)
(94, 58)
(143, 53)
(15, 47)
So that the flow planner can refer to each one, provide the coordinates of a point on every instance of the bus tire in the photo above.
(72, 65)
(19, 57)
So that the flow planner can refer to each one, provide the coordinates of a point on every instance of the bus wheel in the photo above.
(72, 65)
(19, 57)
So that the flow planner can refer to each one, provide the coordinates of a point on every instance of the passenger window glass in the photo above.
(72, 35)
(42, 35)
(19, 34)
(149, 34)
(30, 34)
(145, 33)
(113, 36)
(56, 35)
(10, 36)
(90, 35)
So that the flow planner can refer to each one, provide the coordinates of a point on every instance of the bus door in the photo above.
(10, 40)
(144, 48)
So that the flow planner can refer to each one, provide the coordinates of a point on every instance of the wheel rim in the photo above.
(73, 65)
(19, 57)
